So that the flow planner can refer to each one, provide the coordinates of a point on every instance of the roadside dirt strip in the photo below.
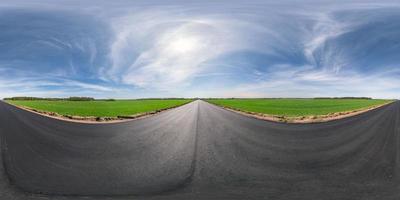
(92, 119)
(200, 151)
(305, 119)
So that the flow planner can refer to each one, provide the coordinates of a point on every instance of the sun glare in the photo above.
(183, 45)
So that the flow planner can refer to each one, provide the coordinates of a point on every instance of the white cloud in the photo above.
(324, 29)
(169, 49)
(315, 83)
(48, 87)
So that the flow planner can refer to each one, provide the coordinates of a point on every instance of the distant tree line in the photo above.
(81, 99)
(342, 98)
(297, 98)
(51, 99)
(169, 98)
(105, 99)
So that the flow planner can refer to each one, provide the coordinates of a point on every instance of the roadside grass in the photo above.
(298, 107)
(100, 108)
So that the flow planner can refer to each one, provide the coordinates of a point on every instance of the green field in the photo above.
(297, 107)
(100, 108)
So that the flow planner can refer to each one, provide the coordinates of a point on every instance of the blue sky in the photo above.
(136, 49)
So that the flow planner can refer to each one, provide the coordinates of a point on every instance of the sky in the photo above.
(142, 48)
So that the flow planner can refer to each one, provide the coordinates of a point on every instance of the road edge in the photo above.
(91, 119)
(303, 119)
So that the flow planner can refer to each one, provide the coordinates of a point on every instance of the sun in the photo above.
(184, 44)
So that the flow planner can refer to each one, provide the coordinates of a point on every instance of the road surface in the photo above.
(200, 151)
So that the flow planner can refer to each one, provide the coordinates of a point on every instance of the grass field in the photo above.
(297, 107)
(100, 108)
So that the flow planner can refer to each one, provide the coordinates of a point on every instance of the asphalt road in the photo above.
(200, 151)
